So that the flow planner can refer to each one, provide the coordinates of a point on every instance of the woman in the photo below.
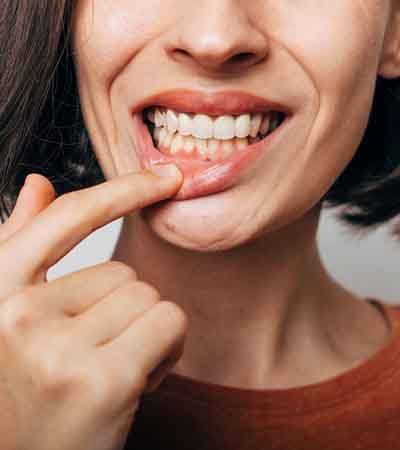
(271, 110)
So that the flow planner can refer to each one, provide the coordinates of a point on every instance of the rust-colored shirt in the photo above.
(356, 410)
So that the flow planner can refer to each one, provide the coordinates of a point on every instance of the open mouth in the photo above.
(212, 151)
(190, 136)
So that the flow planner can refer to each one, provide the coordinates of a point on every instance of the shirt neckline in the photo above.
(300, 399)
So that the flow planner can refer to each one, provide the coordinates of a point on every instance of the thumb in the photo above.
(36, 194)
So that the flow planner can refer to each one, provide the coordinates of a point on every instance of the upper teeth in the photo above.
(205, 127)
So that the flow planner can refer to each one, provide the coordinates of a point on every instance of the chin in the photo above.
(216, 223)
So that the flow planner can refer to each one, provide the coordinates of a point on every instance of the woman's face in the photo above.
(318, 59)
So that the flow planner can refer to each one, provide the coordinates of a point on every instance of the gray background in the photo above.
(367, 265)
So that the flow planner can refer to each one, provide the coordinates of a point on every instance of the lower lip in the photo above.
(201, 178)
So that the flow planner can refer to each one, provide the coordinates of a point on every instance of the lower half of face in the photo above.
(321, 61)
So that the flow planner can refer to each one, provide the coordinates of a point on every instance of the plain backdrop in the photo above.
(368, 265)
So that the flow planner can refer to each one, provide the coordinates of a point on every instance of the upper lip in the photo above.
(230, 102)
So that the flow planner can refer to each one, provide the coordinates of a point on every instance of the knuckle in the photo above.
(175, 314)
(122, 269)
(99, 385)
(112, 381)
(147, 291)
(16, 315)
(52, 364)
(85, 207)
(67, 201)
(75, 204)
(78, 210)
(56, 377)
(51, 373)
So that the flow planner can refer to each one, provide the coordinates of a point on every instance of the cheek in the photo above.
(106, 36)
(337, 43)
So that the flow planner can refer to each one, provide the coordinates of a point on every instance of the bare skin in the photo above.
(301, 327)
(246, 291)
(77, 353)
(243, 264)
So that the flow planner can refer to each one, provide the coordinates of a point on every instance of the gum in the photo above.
(217, 155)
(202, 178)
(222, 152)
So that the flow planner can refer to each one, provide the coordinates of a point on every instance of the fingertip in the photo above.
(166, 170)
(40, 182)
(37, 193)
(40, 190)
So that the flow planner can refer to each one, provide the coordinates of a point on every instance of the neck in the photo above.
(257, 313)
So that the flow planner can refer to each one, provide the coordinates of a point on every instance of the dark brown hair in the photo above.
(42, 129)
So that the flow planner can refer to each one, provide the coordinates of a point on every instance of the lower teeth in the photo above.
(205, 149)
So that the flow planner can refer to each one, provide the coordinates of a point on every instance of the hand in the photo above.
(77, 353)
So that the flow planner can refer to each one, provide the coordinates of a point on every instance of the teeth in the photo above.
(159, 118)
(168, 139)
(156, 134)
(177, 143)
(211, 138)
(210, 149)
(227, 148)
(172, 121)
(212, 145)
(225, 128)
(189, 144)
(150, 115)
(203, 126)
(201, 146)
(162, 136)
(243, 125)
(255, 124)
(264, 127)
(185, 124)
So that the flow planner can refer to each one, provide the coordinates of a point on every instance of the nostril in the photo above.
(208, 58)
(181, 53)
(241, 57)
(245, 58)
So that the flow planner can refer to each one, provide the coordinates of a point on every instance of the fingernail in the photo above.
(165, 170)
(26, 180)
(24, 186)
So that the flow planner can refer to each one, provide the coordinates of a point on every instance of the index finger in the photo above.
(73, 216)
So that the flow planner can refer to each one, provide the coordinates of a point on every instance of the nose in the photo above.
(217, 35)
